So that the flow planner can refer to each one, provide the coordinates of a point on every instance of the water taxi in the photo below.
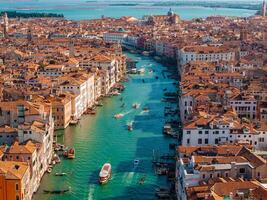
(117, 116)
(105, 173)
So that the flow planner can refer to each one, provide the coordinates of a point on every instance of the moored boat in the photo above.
(105, 173)
(70, 153)
(60, 174)
(74, 122)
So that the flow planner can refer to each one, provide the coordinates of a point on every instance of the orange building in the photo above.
(14, 179)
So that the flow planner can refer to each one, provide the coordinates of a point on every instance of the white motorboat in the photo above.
(105, 173)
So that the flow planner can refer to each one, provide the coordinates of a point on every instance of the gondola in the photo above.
(61, 191)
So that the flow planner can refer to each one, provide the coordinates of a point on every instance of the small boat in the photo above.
(61, 191)
(70, 153)
(163, 195)
(105, 173)
(74, 122)
(99, 104)
(60, 174)
(123, 105)
(130, 126)
(141, 71)
(92, 112)
(145, 53)
(136, 162)
(145, 109)
(115, 93)
(142, 180)
(162, 189)
(56, 158)
(136, 105)
(118, 116)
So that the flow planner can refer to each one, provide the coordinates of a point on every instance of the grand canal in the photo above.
(101, 138)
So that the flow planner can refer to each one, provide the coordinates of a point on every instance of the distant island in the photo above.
(15, 14)
(124, 4)
(212, 4)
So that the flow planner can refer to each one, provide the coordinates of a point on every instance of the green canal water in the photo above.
(101, 138)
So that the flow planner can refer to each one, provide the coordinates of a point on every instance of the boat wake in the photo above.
(91, 192)
(128, 177)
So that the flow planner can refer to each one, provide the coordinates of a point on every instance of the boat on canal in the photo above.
(70, 153)
(105, 173)
(130, 126)
(136, 105)
(60, 191)
(118, 116)
(141, 71)
(60, 174)
(146, 109)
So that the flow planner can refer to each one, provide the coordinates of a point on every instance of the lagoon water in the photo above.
(101, 138)
(80, 10)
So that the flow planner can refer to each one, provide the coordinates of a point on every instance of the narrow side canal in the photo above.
(101, 138)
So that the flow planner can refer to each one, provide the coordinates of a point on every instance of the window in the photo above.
(211, 175)
(206, 132)
(17, 197)
(17, 186)
(203, 176)
(199, 141)
(242, 170)
(188, 141)
(199, 132)
(17, 157)
(206, 141)
(216, 141)
(188, 132)
(226, 174)
(261, 139)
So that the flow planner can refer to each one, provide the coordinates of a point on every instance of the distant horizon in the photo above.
(78, 1)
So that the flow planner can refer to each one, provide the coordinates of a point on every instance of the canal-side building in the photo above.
(15, 180)
(29, 153)
(205, 53)
(61, 110)
(210, 163)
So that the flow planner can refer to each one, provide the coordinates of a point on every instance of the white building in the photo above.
(52, 70)
(114, 36)
(204, 53)
(245, 106)
(83, 88)
(215, 130)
